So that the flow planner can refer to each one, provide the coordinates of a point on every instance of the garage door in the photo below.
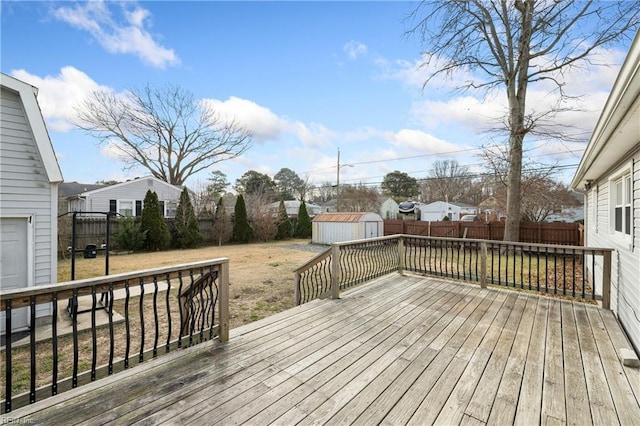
(14, 265)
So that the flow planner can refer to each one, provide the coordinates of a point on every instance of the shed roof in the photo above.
(353, 217)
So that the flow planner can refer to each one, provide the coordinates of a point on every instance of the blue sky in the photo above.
(307, 78)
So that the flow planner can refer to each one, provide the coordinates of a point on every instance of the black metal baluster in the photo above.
(191, 308)
(546, 269)
(538, 268)
(180, 309)
(168, 307)
(573, 271)
(7, 356)
(94, 340)
(74, 315)
(584, 272)
(564, 272)
(142, 330)
(32, 342)
(54, 344)
(155, 316)
(111, 332)
(500, 264)
(202, 305)
(127, 326)
(593, 277)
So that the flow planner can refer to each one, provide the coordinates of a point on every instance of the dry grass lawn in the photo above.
(261, 274)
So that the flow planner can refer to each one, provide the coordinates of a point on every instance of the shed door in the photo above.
(371, 229)
(14, 265)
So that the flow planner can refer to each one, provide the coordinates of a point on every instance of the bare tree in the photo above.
(540, 194)
(164, 130)
(448, 181)
(513, 44)
(359, 198)
(262, 216)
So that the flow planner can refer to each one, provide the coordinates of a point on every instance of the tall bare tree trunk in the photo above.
(517, 95)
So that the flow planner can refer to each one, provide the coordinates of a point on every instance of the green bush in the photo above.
(303, 227)
(157, 233)
(242, 231)
(186, 232)
(285, 228)
(130, 236)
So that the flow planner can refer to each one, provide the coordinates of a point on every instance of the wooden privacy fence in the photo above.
(92, 230)
(530, 232)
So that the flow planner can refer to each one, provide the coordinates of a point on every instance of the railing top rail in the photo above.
(107, 279)
(317, 258)
(558, 247)
(368, 240)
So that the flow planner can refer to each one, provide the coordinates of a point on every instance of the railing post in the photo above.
(606, 280)
(483, 264)
(335, 271)
(224, 302)
(401, 255)
(296, 289)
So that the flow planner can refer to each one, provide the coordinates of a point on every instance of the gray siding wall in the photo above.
(24, 186)
(625, 294)
(133, 190)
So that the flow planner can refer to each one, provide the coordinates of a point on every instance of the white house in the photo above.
(293, 207)
(29, 179)
(127, 198)
(438, 210)
(610, 173)
(389, 209)
(330, 228)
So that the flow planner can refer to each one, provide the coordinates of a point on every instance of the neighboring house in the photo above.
(127, 198)
(330, 228)
(29, 179)
(293, 207)
(610, 173)
(438, 210)
(569, 214)
(70, 190)
(388, 208)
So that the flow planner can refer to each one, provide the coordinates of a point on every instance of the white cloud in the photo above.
(58, 95)
(421, 143)
(353, 49)
(129, 37)
(266, 125)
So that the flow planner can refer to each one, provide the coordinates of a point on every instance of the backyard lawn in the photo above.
(261, 274)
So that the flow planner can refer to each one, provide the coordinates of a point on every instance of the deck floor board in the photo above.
(402, 349)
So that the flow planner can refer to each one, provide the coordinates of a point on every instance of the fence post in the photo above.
(606, 280)
(224, 301)
(335, 271)
(483, 264)
(401, 255)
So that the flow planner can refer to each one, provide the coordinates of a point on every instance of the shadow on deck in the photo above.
(402, 349)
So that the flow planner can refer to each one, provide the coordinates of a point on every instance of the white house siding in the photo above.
(26, 191)
(625, 291)
(134, 190)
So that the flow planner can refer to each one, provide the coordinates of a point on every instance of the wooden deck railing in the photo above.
(149, 313)
(552, 269)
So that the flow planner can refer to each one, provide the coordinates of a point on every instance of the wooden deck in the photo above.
(399, 350)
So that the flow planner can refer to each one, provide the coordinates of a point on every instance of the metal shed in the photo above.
(330, 228)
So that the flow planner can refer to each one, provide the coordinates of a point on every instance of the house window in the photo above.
(621, 200)
(126, 207)
(170, 208)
